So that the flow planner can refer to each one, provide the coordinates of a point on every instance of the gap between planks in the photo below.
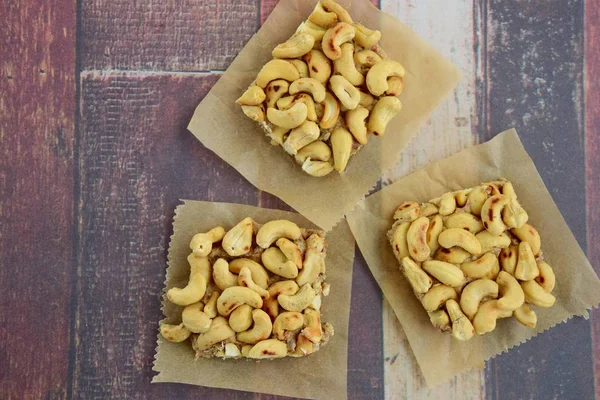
(141, 72)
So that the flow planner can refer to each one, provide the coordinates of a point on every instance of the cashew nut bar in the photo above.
(471, 258)
(326, 90)
(254, 291)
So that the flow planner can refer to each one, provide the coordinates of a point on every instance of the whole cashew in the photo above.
(200, 265)
(270, 348)
(491, 214)
(301, 136)
(485, 266)
(485, 319)
(192, 293)
(259, 275)
(454, 255)
(201, 243)
(366, 37)
(418, 279)
(273, 230)
(331, 111)
(195, 319)
(366, 100)
(346, 93)
(312, 29)
(301, 67)
(319, 66)
(335, 36)
(290, 118)
(341, 144)
(304, 346)
(245, 279)
(511, 294)
(278, 135)
(276, 69)
(240, 319)
(526, 316)
(314, 262)
(222, 276)
(439, 319)
(489, 241)
(323, 17)
(460, 238)
(508, 259)
(174, 333)
(476, 198)
(219, 331)
(288, 102)
(474, 293)
(317, 168)
(283, 287)
(296, 46)
(313, 330)
(461, 197)
(271, 307)
(416, 238)
(447, 204)
(235, 296)
(546, 279)
(290, 250)
(399, 244)
(298, 301)
(407, 211)
(331, 5)
(514, 215)
(437, 296)
(366, 58)
(428, 209)
(276, 262)
(448, 274)
(317, 150)
(527, 268)
(255, 113)
(309, 85)
(465, 221)
(462, 328)
(433, 232)
(379, 73)
(253, 96)
(210, 308)
(383, 112)
(345, 65)
(356, 120)
(261, 330)
(275, 90)
(238, 240)
(287, 321)
(529, 234)
(536, 295)
(395, 86)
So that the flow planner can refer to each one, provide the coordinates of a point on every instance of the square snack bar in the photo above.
(327, 89)
(253, 292)
(471, 258)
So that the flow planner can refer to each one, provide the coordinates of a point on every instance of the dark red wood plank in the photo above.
(37, 111)
(533, 82)
(189, 35)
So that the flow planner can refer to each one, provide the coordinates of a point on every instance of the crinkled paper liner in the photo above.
(222, 127)
(321, 375)
(439, 356)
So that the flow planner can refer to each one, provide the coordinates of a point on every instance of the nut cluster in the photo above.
(472, 258)
(328, 87)
(257, 295)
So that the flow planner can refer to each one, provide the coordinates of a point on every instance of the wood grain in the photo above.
(37, 119)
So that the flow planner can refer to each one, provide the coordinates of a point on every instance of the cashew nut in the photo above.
(301, 67)
(270, 348)
(379, 73)
(331, 5)
(287, 321)
(261, 330)
(474, 293)
(366, 58)
(341, 144)
(192, 293)
(407, 211)
(447, 204)
(465, 221)
(319, 66)
(276, 262)
(235, 296)
(454, 255)
(314, 262)
(366, 37)
(416, 238)
(317, 168)
(461, 197)
(546, 278)
(317, 150)
(460, 238)
(366, 100)
(489, 241)
(309, 85)
(296, 46)
(278, 134)
(290, 118)
(527, 268)
(301, 136)
(253, 96)
(444, 272)
(508, 259)
(195, 319)
(238, 240)
(346, 93)
(222, 276)
(439, 319)
(526, 316)
(201, 243)
(323, 17)
(241, 318)
(529, 234)
(312, 29)
(258, 273)
(335, 36)
(200, 265)
(345, 65)
(276, 69)
(313, 330)
(400, 246)
(433, 232)
(290, 250)
(437, 296)
(383, 112)
(271, 306)
(210, 308)
(418, 279)
(245, 279)
(283, 287)
(428, 209)
(484, 267)
(356, 122)
(462, 328)
(491, 214)
(174, 333)
(273, 230)
(511, 294)
(395, 86)
(287, 102)
(514, 215)
(485, 319)
(219, 331)
(304, 346)
(275, 90)
(331, 111)
(476, 198)
(536, 295)
(255, 113)
(298, 301)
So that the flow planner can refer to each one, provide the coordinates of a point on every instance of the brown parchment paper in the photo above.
(321, 375)
(441, 357)
(222, 127)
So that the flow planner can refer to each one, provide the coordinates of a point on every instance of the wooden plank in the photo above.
(452, 31)
(190, 35)
(534, 72)
(37, 111)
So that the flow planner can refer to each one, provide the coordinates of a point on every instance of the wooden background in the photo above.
(94, 156)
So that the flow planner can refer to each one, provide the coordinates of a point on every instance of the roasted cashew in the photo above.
(546, 278)
(271, 307)
(319, 66)
(491, 214)
(323, 17)
(485, 319)
(201, 243)
(195, 319)
(429, 209)
(222, 276)
(474, 293)
(200, 265)
(356, 120)
(491, 189)
(245, 279)
(192, 293)
(301, 67)
(343, 15)
(448, 274)
(219, 331)
(346, 93)
(301, 136)
(275, 90)
(511, 294)
(484, 267)
(527, 268)
(317, 150)
(508, 259)
(383, 112)
(296, 46)
(462, 328)
(476, 198)
(335, 36)
(255, 113)
(308, 85)
(366, 58)
(407, 211)
(287, 321)
(278, 135)
(366, 100)
(460, 238)
(276, 262)
(529, 234)
(437, 296)
(273, 230)
(331, 111)
(489, 241)
(235, 296)
(313, 330)
(317, 168)
(418, 279)
(526, 316)
(345, 65)
(276, 69)
(174, 333)
(287, 102)
(439, 319)
(253, 96)
(261, 330)
(433, 232)
(399, 243)
(304, 346)
(416, 239)
(461, 197)
(465, 221)
(210, 308)
(341, 144)
(314, 262)
(312, 29)
(246, 349)
(238, 240)
(366, 37)
(283, 287)
(240, 319)
(298, 301)
(454, 255)
(290, 250)
(290, 118)
(270, 348)
(514, 215)
(259, 275)
(395, 86)
(379, 73)
(447, 204)
(536, 295)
